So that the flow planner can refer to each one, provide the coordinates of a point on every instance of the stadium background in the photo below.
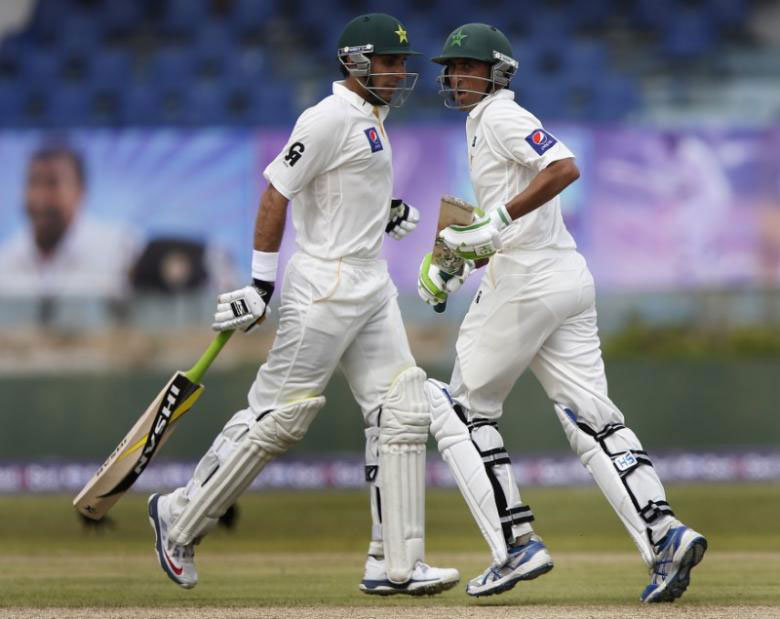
(673, 108)
(177, 106)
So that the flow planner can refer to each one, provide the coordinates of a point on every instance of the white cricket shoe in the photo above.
(525, 562)
(177, 561)
(425, 580)
(677, 554)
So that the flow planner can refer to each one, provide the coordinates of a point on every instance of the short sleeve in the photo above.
(514, 133)
(309, 152)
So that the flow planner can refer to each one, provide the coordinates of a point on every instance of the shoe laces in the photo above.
(180, 552)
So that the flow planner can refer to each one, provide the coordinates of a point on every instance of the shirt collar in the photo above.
(501, 93)
(358, 102)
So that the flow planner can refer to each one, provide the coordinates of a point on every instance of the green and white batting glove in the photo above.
(434, 284)
(480, 239)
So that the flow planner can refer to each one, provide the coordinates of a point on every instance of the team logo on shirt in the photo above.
(373, 139)
(540, 141)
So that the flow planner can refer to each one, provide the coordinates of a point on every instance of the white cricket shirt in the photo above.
(337, 170)
(507, 148)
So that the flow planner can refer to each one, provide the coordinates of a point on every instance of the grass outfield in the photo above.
(306, 550)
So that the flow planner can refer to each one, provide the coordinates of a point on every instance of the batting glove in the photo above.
(434, 285)
(243, 309)
(403, 219)
(480, 239)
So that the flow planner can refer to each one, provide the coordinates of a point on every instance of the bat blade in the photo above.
(135, 451)
(452, 211)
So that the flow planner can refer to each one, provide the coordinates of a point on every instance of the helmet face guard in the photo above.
(358, 64)
(501, 72)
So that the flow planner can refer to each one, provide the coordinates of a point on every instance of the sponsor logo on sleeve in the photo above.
(295, 152)
(373, 139)
(540, 141)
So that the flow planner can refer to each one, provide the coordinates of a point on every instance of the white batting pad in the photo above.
(403, 433)
(614, 457)
(236, 457)
(467, 467)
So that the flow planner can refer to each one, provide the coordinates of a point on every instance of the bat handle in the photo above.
(196, 372)
(440, 307)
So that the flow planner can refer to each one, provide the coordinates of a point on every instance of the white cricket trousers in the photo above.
(334, 313)
(533, 309)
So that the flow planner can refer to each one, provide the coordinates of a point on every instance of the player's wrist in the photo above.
(264, 287)
(500, 216)
(264, 265)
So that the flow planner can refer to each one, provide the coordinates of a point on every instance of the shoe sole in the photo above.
(153, 520)
(509, 584)
(680, 581)
(432, 588)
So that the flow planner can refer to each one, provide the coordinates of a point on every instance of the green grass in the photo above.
(307, 549)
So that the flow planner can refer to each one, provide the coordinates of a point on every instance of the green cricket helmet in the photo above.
(477, 42)
(379, 34)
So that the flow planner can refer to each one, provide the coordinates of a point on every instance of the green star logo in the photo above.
(402, 37)
(457, 38)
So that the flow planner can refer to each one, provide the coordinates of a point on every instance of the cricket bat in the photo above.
(452, 211)
(136, 450)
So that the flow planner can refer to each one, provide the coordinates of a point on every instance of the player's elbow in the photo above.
(567, 171)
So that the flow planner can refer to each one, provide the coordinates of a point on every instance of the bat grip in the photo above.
(440, 307)
(196, 372)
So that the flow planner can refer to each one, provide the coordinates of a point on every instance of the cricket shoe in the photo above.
(425, 580)
(525, 562)
(676, 555)
(177, 561)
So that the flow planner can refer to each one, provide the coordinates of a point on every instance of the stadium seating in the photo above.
(87, 62)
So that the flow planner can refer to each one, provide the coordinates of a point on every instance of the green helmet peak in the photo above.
(375, 33)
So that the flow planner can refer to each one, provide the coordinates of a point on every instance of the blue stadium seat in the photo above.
(171, 67)
(40, 68)
(594, 13)
(184, 17)
(214, 37)
(586, 58)
(729, 12)
(111, 69)
(247, 65)
(689, 33)
(11, 105)
(549, 25)
(652, 14)
(69, 106)
(272, 104)
(205, 105)
(617, 96)
(139, 105)
(120, 17)
(248, 15)
(79, 34)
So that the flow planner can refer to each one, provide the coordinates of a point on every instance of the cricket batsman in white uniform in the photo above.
(535, 308)
(338, 309)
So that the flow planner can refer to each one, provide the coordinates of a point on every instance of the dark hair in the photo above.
(54, 151)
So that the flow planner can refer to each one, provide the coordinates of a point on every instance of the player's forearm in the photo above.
(544, 187)
(269, 224)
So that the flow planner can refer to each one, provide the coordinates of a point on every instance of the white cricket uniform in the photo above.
(535, 308)
(338, 303)
(338, 308)
(536, 303)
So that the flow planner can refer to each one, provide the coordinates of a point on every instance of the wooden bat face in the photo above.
(452, 211)
(136, 450)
